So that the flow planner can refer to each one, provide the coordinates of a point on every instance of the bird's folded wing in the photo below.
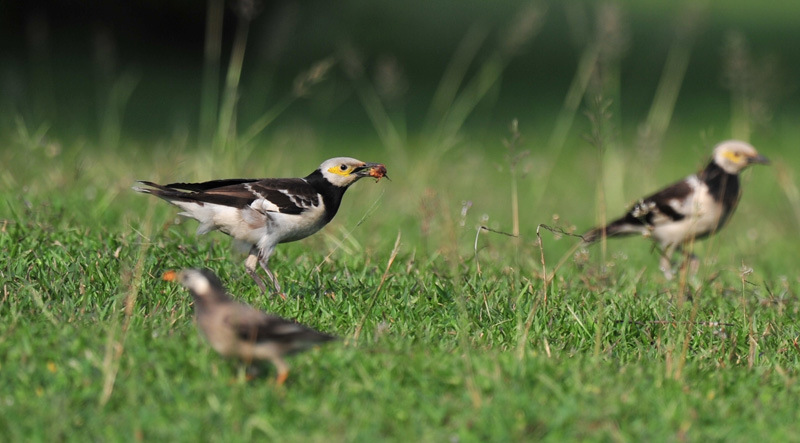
(286, 195)
(664, 206)
(258, 327)
(213, 184)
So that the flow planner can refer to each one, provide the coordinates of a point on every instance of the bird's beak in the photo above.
(376, 170)
(758, 159)
(170, 276)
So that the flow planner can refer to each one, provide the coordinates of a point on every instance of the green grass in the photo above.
(453, 346)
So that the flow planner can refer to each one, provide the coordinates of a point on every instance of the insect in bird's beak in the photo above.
(170, 276)
(375, 170)
(378, 171)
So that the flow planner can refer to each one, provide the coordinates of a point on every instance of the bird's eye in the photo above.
(343, 167)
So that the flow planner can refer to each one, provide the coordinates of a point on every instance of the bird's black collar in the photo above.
(331, 194)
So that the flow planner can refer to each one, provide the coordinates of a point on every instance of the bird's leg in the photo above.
(666, 268)
(281, 379)
(271, 276)
(283, 371)
(665, 263)
(250, 267)
(265, 266)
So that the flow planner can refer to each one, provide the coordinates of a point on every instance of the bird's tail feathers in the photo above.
(307, 338)
(617, 228)
(152, 188)
(163, 192)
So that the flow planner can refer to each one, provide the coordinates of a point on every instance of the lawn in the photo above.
(466, 306)
(440, 341)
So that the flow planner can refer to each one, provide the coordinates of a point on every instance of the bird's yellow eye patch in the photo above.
(341, 170)
(733, 156)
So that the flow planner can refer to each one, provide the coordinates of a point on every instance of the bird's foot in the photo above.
(273, 279)
(259, 282)
(667, 269)
(280, 294)
(281, 378)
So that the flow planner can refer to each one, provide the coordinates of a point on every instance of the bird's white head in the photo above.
(734, 155)
(344, 171)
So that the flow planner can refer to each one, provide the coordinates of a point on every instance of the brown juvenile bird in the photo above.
(690, 209)
(262, 213)
(238, 330)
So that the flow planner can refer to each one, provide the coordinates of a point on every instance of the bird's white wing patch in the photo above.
(300, 201)
(249, 187)
(263, 205)
(643, 208)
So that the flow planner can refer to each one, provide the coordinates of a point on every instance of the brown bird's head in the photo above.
(203, 284)
(734, 155)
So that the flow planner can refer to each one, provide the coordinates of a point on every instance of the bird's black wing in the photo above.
(285, 195)
(291, 195)
(658, 208)
(259, 327)
(209, 185)
(653, 210)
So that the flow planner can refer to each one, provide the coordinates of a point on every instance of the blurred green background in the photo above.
(69, 64)
(612, 100)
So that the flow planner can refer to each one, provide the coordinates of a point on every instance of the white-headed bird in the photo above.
(690, 209)
(262, 213)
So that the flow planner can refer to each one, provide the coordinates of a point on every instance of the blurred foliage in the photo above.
(71, 64)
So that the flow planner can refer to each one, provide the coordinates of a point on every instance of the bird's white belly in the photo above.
(703, 217)
(287, 228)
(246, 225)
(255, 227)
(227, 344)
(219, 335)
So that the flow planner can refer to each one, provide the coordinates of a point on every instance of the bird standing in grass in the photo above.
(238, 330)
(690, 209)
(261, 213)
